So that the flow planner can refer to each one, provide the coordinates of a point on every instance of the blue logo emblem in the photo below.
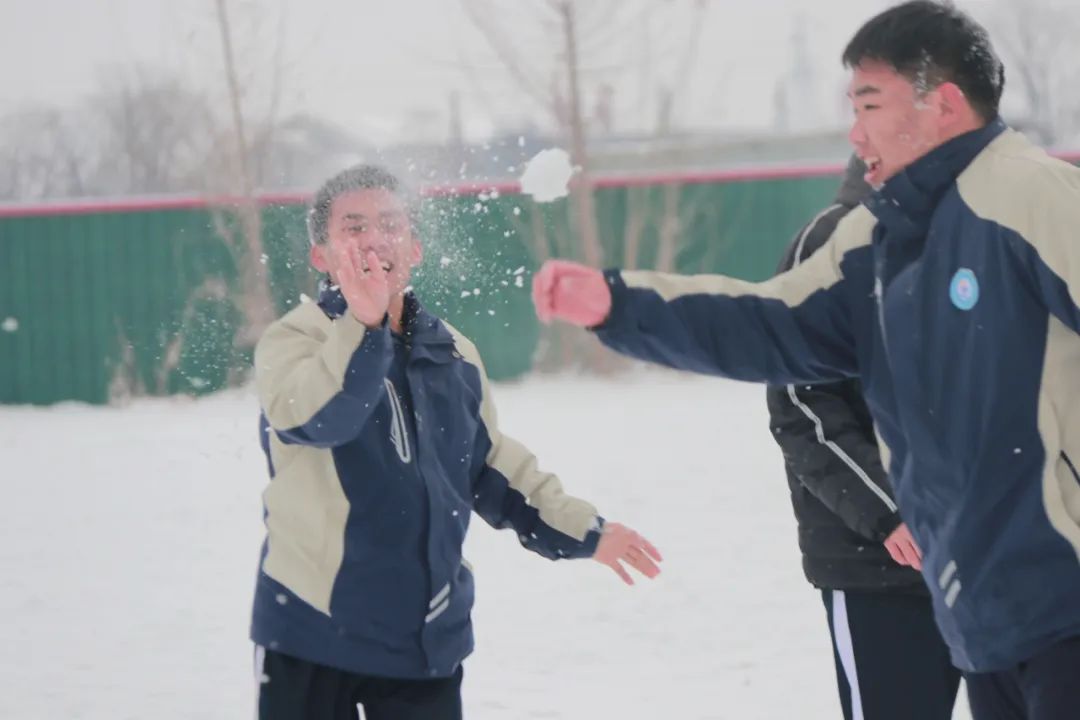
(964, 289)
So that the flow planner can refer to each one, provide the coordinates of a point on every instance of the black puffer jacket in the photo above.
(839, 490)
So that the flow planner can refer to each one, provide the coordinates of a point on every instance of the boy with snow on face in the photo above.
(381, 438)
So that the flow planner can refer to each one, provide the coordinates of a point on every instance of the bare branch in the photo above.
(499, 43)
(687, 62)
(1037, 41)
(258, 307)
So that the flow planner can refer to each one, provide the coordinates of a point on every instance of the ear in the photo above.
(319, 261)
(952, 104)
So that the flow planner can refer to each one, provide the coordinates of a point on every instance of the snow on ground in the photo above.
(128, 541)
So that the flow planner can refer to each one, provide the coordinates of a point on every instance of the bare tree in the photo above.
(41, 156)
(151, 134)
(560, 96)
(138, 133)
(1037, 41)
(246, 241)
(583, 189)
(595, 41)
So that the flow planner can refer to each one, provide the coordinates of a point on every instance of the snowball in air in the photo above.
(547, 175)
(10, 325)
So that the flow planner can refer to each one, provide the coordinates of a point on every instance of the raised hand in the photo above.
(571, 292)
(364, 284)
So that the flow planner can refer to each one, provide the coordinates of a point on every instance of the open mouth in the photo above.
(873, 165)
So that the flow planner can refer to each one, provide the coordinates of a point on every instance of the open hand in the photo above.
(364, 285)
(619, 544)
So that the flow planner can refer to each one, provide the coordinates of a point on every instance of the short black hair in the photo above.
(358, 177)
(931, 43)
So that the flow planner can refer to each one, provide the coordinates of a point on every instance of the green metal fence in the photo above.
(100, 301)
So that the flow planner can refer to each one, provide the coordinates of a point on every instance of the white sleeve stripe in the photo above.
(818, 428)
(839, 451)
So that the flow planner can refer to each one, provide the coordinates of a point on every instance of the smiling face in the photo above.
(895, 122)
(374, 219)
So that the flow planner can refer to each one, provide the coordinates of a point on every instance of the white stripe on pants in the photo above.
(846, 650)
(260, 675)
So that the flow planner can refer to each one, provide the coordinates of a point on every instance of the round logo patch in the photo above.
(964, 289)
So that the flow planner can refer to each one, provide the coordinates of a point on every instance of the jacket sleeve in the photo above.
(795, 327)
(510, 491)
(831, 452)
(318, 388)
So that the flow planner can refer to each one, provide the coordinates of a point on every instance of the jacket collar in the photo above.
(905, 204)
(421, 328)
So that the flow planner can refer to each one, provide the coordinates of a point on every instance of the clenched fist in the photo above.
(571, 292)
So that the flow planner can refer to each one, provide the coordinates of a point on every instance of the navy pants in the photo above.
(891, 663)
(1046, 687)
(294, 689)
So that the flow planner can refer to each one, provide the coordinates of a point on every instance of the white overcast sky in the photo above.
(371, 65)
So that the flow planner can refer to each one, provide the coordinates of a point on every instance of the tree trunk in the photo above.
(257, 305)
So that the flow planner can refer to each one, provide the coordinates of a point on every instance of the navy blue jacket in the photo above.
(954, 295)
(379, 448)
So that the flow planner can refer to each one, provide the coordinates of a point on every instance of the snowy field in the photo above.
(128, 541)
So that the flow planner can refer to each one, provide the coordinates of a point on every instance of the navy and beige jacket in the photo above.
(380, 447)
(953, 293)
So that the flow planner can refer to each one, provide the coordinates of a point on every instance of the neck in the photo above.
(970, 124)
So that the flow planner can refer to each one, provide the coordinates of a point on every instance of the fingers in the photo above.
(642, 563)
(374, 267)
(541, 292)
(911, 554)
(918, 550)
(347, 268)
(905, 552)
(895, 554)
(903, 544)
(552, 275)
(636, 551)
(650, 549)
(621, 571)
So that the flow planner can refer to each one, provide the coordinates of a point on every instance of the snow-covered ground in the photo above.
(128, 540)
